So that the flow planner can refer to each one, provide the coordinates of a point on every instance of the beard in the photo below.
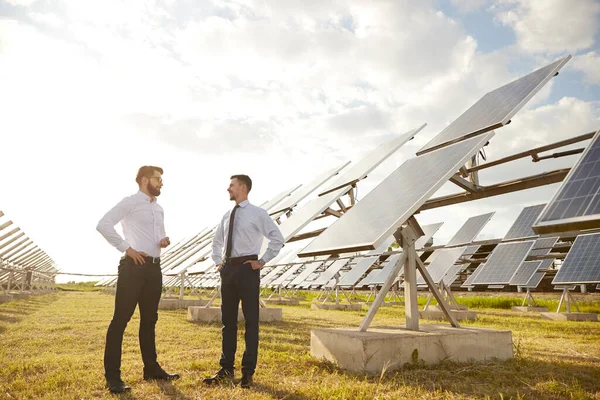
(153, 190)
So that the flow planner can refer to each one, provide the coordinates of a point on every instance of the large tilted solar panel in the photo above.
(275, 200)
(522, 226)
(429, 231)
(441, 261)
(304, 190)
(528, 269)
(502, 264)
(361, 169)
(582, 264)
(382, 211)
(525, 272)
(576, 204)
(470, 229)
(495, 108)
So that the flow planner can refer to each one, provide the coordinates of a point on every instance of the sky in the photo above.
(280, 90)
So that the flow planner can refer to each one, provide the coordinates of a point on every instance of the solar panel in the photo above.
(495, 108)
(469, 281)
(361, 169)
(308, 212)
(275, 200)
(537, 277)
(388, 267)
(383, 210)
(452, 272)
(576, 204)
(300, 194)
(330, 272)
(441, 260)
(543, 246)
(525, 272)
(521, 228)
(309, 268)
(470, 229)
(502, 264)
(367, 279)
(352, 276)
(429, 231)
(286, 275)
(581, 264)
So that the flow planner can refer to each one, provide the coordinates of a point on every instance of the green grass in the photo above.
(51, 347)
(78, 287)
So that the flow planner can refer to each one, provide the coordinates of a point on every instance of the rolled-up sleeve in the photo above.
(271, 231)
(106, 226)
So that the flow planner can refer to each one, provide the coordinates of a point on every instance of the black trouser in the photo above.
(240, 282)
(137, 284)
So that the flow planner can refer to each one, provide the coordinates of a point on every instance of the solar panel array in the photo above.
(495, 108)
(304, 190)
(429, 231)
(382, 211)
(362, 168)
(502, 264)
(441, 261)
(576, 205)
(537, 277)
(582, 264)
(452, 272)
(522, 226)
(470, 229)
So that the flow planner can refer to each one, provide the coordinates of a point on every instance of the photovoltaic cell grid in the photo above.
(581, 264)
(522, 226)
(524, 274)
(537, 277)
(495, 108)
(578, 199)
(502, 264)
(452, 272)
(381, 212)
(543, 246)
(470, 229)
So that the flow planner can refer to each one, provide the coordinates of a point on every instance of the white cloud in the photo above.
(467, 6)
(589, 64)
(551, 26)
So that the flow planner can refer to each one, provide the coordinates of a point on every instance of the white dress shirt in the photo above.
(251, 225)
(143, 224)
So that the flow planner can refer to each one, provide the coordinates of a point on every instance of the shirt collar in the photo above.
(244, 203)
(145, 196)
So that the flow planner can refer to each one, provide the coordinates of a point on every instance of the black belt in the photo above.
(151, 260)
(239, 260)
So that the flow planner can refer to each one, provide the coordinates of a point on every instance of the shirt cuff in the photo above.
(217, 260)
(123, 246)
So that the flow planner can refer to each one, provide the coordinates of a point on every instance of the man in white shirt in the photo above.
(235, 249)
(140, 277)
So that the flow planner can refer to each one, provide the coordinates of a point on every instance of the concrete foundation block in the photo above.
(282, 302)
(5, 297)
(213, 314)
(573, 316)
(345, 306)
(21, 295)
(529, 309)
(437, 314)
(177, 304)
(386, 304)
(392, 348)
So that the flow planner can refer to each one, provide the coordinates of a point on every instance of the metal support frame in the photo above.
(407, 236)
(529, 299)
(568, 299)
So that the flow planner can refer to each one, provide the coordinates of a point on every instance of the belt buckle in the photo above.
(155, 260)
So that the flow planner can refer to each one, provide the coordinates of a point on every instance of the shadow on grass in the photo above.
(15, 310)
(528, 378)
(171, 390)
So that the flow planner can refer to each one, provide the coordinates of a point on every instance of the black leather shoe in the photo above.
(246, 381)
(159, 374)
(220, 376)
(117, 386)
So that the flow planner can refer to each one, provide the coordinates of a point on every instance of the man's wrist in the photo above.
(262, 262)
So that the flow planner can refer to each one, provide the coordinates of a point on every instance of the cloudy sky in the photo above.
(278, 89)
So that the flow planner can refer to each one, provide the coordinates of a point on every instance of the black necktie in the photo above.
(230, 232)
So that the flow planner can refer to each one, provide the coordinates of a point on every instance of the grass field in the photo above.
(51, 347)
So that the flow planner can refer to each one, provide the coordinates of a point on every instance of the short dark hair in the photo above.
(147, 171)
(245, 179)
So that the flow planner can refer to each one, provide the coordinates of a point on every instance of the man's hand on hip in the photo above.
(138, 258)
(254, 264)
